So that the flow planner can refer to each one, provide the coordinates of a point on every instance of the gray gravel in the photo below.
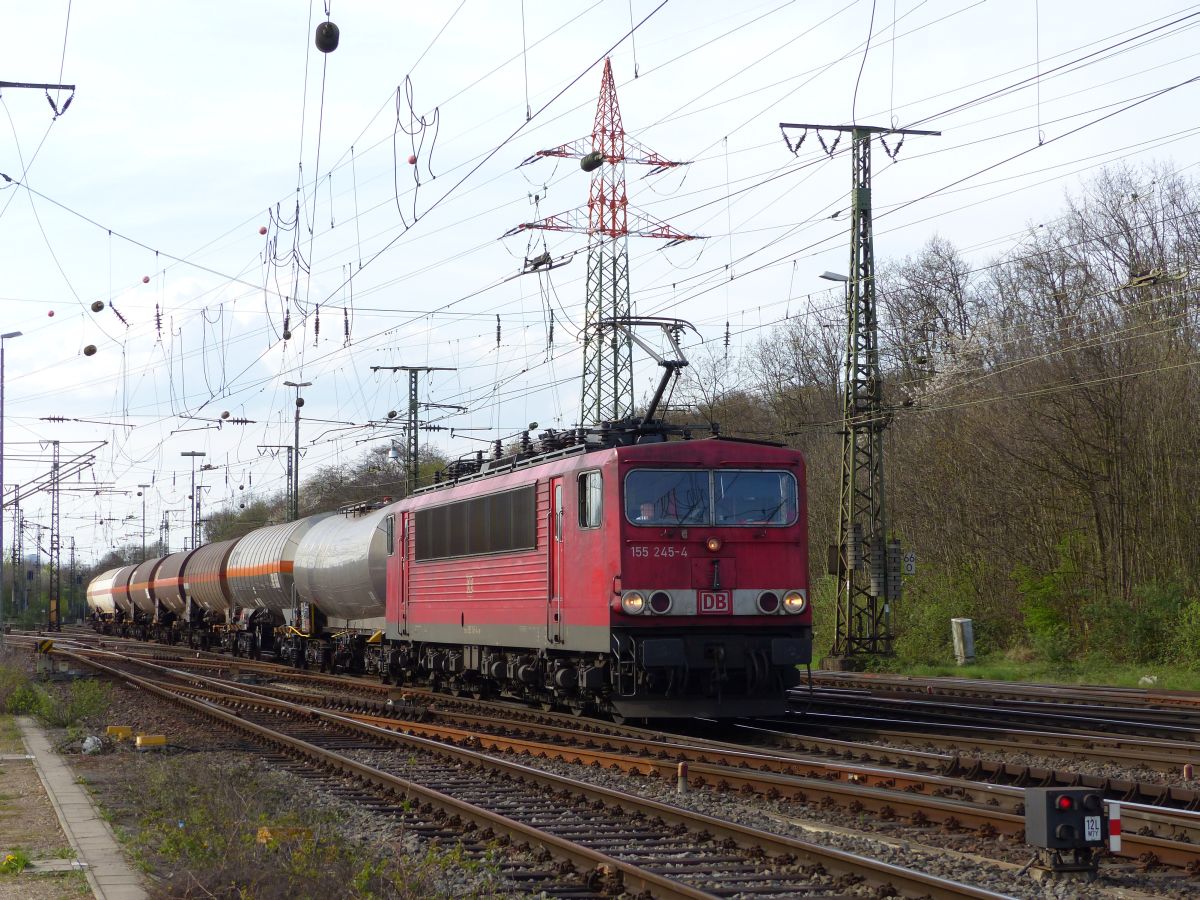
(991, 864)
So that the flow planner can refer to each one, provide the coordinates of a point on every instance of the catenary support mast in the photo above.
(867, 564)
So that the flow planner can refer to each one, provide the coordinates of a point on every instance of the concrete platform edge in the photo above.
(109, 875)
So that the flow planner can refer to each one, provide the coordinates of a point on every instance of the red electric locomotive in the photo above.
(610, 570)
(648, 580)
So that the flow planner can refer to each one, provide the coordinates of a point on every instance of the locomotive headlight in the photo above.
(794, 602)
(713, 544)
(632, 603)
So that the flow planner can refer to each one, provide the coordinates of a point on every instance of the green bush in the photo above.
(1144, 629)
(921, 619)
(24, 699)
(1053, 603)
(84, 699)
(1184, 643)
(11, 678)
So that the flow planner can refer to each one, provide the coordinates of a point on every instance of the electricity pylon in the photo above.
(607, 393)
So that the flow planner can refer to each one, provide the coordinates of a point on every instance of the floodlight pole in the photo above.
(142, 488)
(295, 467)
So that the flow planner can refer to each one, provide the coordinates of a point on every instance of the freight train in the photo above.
(637, 578)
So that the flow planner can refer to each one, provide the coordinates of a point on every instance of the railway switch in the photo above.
(1058, 819)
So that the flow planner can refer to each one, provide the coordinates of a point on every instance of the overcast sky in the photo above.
(193, 126)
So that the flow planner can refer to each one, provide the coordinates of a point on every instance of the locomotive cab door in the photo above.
(402, 560)
(557, 532)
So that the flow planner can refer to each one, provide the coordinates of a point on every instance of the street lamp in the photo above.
(194, 502)
(3, 338)
(296, 448)
(142, 493)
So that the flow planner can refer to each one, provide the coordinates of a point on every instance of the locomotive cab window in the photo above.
(754, 497)
(668, 497)
(390, 532)
(725, 497)
(591, 500)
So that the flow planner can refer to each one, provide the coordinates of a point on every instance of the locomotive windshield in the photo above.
(701, 497)
(668, 497)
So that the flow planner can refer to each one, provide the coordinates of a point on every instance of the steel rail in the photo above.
(909, 881)
(888, 792)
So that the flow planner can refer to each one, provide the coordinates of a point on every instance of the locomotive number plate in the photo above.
(714, 603)
(660, 551)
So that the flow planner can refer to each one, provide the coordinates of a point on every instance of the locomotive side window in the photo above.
(591, 500)
(390, 529)
(754, 497)
(497, 523)
(668, 497)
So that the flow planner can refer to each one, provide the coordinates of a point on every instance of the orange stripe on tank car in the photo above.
(271, 568)
(166, 582)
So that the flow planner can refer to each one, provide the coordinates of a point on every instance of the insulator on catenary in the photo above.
(346, 323)
(327, 37)
(591, 161)
(854, 546)
(877, 574)
(894, 558)
(317, 325)
(497, 331)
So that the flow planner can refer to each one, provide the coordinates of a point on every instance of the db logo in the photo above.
(715, 603)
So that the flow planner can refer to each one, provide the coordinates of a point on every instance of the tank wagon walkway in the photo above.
(108, 875)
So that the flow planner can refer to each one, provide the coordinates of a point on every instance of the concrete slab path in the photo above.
(110, 876)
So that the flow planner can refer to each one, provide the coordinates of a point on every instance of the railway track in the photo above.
(947, 687)
(603, 835)
(921, 788)
(928, 711)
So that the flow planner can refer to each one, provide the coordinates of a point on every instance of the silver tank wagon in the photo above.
(340, 567)
(261, 564)
(168, 581)
(204, 578)
(141, 586)
(99, 593)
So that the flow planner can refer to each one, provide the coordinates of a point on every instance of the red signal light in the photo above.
(1064, 803)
